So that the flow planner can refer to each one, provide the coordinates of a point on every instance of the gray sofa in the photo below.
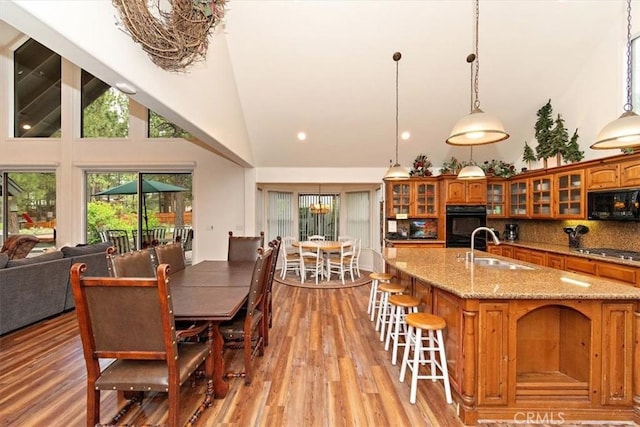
(33, 289)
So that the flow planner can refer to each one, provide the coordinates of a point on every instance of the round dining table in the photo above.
(326, 246)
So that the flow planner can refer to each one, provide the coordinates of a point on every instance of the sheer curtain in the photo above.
(280, 219)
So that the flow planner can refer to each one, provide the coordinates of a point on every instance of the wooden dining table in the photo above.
(213, 291)
(326, 246)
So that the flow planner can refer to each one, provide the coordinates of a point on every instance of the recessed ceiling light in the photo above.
(405, 135)
(126, 88)
(302, 136)
(26, 126)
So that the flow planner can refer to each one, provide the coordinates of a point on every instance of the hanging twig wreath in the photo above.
(176, 38)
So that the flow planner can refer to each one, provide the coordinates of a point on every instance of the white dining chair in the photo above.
(311, 261)
(341, 262)
(355, 260)
(315, 237)
(290, 257)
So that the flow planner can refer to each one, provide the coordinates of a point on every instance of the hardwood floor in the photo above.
(324, 366)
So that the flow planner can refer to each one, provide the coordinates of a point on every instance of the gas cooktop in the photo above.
(613, 253)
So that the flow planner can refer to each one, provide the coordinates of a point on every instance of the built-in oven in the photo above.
(461, 220)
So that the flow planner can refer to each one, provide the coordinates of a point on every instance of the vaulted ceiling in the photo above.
(326, 68)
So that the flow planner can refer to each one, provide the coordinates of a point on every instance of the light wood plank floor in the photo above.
(325, 366)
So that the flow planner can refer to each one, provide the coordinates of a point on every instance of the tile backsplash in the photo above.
(602, 234)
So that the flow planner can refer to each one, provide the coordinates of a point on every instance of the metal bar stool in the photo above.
(400, 306)
(424, 351)
(386, 289)
(374, 301)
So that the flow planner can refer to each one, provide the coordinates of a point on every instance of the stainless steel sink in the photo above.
(499, 264)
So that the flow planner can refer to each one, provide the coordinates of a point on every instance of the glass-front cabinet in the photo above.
(518, 198)
(496, 198)
(570, 193)
(398, 198)
(425, 199)
(541, 197)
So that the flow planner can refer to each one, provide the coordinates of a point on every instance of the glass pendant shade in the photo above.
(476, 129)
(396, 173)
(624, 132)
(471, 172)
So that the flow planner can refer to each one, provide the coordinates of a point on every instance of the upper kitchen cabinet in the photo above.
(415, 198)
(398, 198)
(518, 198)
(461, 192)
(541, 197)
(630, 173)
(425, 198)
(496, 197)
(570, 195)
(603, 176)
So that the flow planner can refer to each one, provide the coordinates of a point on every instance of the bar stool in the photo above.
(374, 302)
(400, 306)
(386, 289)
(422, 346)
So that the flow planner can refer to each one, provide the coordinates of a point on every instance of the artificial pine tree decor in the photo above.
(559, 140)
(543, 132)
(528, 156)
(572, 153)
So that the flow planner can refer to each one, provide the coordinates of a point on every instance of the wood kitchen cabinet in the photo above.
(415, 198)
(518, 191)
(555, 261)
(570, 203)
(461, 192)
(605, 176)
(630, 173)
(496, 198)
(541, 199)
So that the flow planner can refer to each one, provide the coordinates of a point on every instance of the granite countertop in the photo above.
(447, 269)
(566, 250)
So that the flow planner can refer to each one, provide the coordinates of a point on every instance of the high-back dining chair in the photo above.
(131, 321)
(315, 237)
(140, 263)
(275, 246)
(171, 254)
(244, 248)
(247, 330)
(311, 261)
(290, 257)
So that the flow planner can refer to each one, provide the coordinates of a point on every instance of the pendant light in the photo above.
(471, 171)
(319, 208)
(395, 171)
(478, 127)
(624, 132)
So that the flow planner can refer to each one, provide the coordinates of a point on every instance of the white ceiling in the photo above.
(326, 68)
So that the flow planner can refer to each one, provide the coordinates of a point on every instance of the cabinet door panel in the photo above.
(603, 177)
(630, 174)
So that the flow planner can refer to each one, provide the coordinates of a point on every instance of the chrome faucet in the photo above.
(470, 255)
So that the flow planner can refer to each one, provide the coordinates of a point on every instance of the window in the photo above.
(105, 110)
(318, 214)
(37, 73)
(357, 212)
(114, 204)
(280, 215)
(159, 127)
(28, 206)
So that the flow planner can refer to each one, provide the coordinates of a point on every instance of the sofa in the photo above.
(33, 289)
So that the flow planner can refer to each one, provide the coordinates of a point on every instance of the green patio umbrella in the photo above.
(148, 186)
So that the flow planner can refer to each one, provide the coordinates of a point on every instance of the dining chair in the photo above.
(247, 330)
(146, 239)
(345, 238)
(355, 260)
(130, 320)
(342, 262)
(244, 248)
(141, 263)
(275, 246)
(290, 257)
(171, 254)
(315, 237)
(312, 261)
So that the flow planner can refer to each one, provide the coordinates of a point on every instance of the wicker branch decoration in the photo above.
(173, 39)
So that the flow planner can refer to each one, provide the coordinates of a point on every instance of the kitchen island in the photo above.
(538, 342)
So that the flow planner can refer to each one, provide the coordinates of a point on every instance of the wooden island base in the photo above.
(535, 360)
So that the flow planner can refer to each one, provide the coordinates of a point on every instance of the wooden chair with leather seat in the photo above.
(243, 248)
(131, 321)
(18, 246)
(140, 263)
(247, 330)
(171, 254)
(275, 246)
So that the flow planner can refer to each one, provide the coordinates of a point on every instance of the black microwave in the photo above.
(621, 205)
